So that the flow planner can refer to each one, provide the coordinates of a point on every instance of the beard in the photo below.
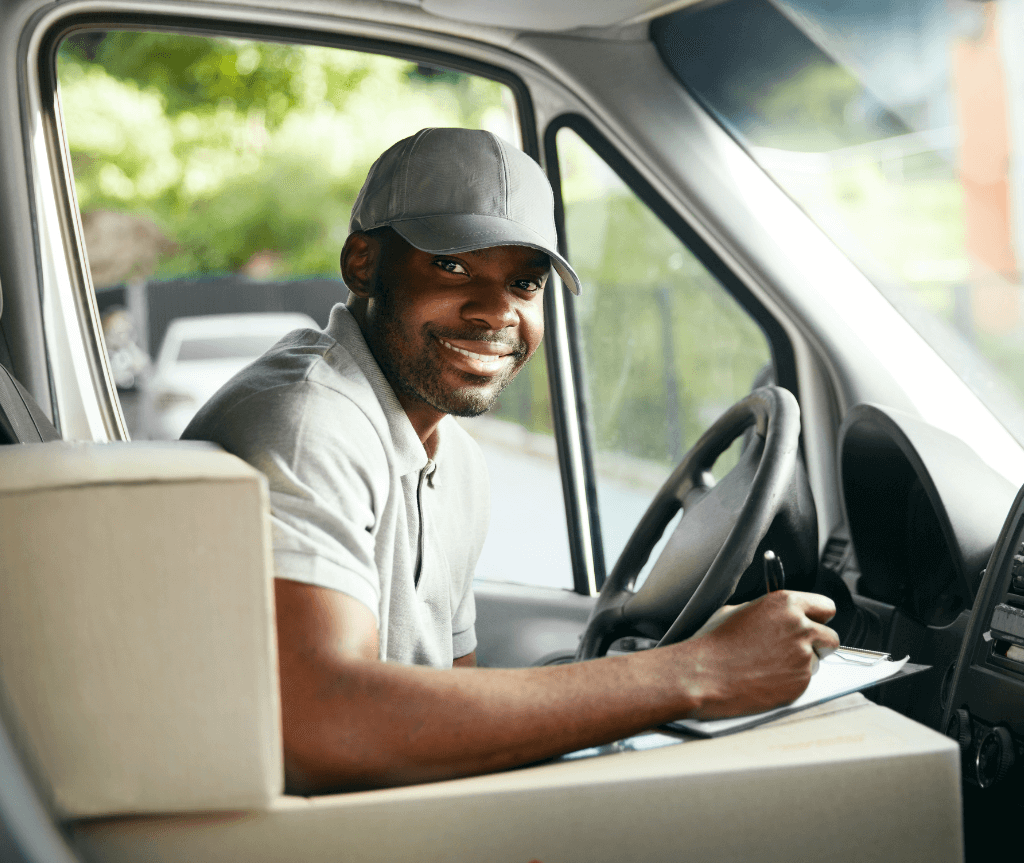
(410, 362)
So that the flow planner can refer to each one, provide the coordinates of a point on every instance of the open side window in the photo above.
(212, 179)
(664, 336)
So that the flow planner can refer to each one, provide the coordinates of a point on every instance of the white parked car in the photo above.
(197, 357)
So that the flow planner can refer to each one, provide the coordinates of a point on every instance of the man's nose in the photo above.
(492, 304)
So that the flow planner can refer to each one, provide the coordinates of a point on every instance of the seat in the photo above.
(21, 418)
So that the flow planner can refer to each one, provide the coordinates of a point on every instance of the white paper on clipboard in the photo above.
(835, 677)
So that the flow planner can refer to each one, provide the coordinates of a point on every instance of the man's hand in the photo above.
(718, 618)
(761, 654)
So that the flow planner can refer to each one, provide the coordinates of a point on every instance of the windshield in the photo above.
(895, 125)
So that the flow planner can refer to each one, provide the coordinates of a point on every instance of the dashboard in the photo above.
(924, 512)
(985, 711)
(938, 563)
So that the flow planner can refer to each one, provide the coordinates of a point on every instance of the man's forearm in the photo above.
(364, 723)
(352, 721)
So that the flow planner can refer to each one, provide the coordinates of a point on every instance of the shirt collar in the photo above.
(410, 456)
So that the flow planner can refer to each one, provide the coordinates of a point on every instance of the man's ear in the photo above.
(359, 258)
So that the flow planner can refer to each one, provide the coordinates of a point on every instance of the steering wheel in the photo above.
(721, 527)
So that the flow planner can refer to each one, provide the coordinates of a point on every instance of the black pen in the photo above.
(774, 575)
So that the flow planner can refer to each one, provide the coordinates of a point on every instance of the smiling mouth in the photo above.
(488, 361)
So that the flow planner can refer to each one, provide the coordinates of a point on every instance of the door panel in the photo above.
(519, 625)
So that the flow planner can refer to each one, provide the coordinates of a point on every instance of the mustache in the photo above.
(517, 347)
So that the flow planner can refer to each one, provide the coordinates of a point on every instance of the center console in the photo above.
(985, 698)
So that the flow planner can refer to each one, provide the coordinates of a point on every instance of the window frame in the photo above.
(782, 354)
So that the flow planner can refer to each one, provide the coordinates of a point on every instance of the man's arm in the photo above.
(467, 661)
(352, 721)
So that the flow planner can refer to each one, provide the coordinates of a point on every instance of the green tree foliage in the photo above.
(198, 75)
(667, 349)
(236, 148)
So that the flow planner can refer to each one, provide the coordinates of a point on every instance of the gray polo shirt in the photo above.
(356, 504)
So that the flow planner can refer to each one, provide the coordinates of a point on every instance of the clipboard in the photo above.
(837, 675)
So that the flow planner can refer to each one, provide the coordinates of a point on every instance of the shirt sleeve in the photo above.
(320, 455)
(464, 624)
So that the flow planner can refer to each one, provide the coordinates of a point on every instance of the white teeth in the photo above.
(482, 358)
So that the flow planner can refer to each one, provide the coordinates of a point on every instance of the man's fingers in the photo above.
(718, 618)
(818, 608)
(824, 641)
(823, 649)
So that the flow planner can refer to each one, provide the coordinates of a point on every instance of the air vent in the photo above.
(1008, 622)
(836, 554)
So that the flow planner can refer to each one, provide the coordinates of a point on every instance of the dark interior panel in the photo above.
(985, 708)
(924, 512)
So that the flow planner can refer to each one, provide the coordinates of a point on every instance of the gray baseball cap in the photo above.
(456, 190)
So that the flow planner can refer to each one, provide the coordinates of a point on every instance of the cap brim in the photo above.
(451, 234)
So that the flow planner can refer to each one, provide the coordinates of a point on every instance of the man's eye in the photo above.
(450, 266)
(530, 285)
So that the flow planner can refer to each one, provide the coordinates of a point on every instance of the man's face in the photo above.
(451, 331)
